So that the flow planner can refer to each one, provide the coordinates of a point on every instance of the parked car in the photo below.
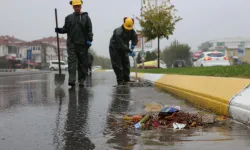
(212, 59)
(53, 65)
(152, 64)
(179, 63)
(96, 68)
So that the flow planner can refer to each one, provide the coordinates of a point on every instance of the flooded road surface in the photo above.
(34, 115)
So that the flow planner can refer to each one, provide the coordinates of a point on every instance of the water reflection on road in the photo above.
(34, 114)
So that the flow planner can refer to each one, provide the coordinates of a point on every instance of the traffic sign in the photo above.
(29, 54)
(148, 46)
(241, 50)
(220, 43)
(221, 49)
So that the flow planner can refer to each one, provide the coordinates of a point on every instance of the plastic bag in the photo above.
(178, 126)
(169, 110)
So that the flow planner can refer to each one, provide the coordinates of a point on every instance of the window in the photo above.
(34, 48)
(55, 63)
(201, 56)
(39, 48)
(216, 55)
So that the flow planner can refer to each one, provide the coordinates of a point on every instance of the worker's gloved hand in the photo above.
(57, 30)
(132, 54)
(132, 46)
(89, 43)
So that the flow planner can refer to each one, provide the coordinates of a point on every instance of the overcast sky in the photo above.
(202, 19)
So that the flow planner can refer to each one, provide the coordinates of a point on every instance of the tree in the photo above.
(148, 56)
(176, 51)
(158, 21)
(153, 55)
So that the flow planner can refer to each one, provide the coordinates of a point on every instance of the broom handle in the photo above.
(58, 46)
(135, 70)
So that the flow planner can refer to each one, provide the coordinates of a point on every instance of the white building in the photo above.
(41, 52)
(237, 47)
(9, 45)
(53, 41)
(225, 43)
(3, 49)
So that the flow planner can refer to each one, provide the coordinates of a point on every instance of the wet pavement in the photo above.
(22, 72)
(35, 115)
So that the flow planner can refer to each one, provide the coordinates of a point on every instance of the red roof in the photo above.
(51, 39)
(34, 43)
(10, 39)
(2, 41)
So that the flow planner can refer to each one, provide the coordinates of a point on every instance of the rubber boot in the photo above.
(120, 82)
(81, 84)
(72, 84)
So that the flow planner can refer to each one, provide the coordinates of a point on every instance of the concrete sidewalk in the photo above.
(225, 96)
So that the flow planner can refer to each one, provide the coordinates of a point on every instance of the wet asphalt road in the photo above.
(34, 115)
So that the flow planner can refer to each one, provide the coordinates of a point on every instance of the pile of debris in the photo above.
(169, 117)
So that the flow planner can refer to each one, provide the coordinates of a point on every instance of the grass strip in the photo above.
(239, 71)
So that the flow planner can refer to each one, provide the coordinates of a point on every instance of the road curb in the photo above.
(103, 70)
(225, 96)
(239, 107)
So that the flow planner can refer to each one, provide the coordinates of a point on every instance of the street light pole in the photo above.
(142, 40)
(158, 38)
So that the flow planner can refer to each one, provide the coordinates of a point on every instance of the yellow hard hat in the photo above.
(76, 2)
(128, 23)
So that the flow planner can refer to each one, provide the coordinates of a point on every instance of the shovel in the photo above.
(59, 78)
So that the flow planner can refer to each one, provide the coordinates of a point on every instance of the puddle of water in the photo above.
(59, 118)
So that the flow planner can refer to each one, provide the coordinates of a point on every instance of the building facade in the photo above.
(232, 47)
(53, 41)
(9, 45)
(16, 49)
(41, 52)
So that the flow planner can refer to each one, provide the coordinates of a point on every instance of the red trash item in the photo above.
(155, 123)
(137, 118)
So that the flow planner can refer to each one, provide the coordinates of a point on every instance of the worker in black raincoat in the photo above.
(90, 63)
(78, 27)
(119, 50)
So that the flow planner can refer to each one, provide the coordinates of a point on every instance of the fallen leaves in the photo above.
(190, 120)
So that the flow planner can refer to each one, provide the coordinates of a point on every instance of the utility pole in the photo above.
(158, 38)
(29, 61)
(142, 41)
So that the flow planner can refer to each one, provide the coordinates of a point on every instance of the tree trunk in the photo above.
(158, 52)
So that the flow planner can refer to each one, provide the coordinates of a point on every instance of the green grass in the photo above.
(240, 71)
